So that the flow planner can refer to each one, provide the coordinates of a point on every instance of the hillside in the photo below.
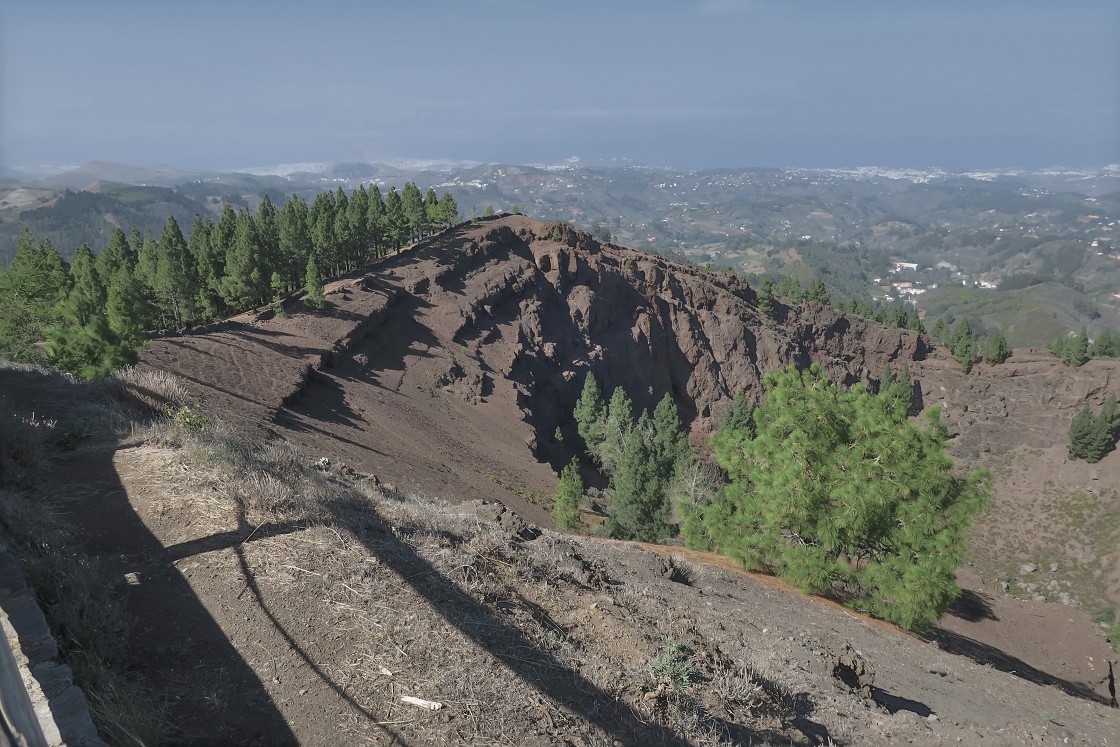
(963, 230)
(347, 537)
(456, 362)
(273, 601)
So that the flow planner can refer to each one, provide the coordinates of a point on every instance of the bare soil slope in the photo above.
(448, 369)
(445, 371)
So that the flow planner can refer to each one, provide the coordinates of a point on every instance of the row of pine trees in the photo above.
(92, 312)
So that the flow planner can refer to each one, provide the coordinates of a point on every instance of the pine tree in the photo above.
(817, 292)
(412, 205)
(448, 210)
(669, 444)
(766, 296)
(267, 225)
(589, 414)
(378, 225)
(1082, 434)
(87, 292)
(116, 255)
(738, 420)
(996, 349)
(565, 511)
(396, 223)
(1110, 414)
(1077, 351)
(245, 284)
(31, 287)
(128, 307)
(616, 429)
(789, 287)
(940, 334)
(210, 267)
(358, 216)
(295, 242)
(321, 223)
(838, 490)
(639, 502)
(313, 284)
(1107, 344)
(90, 351)
(961, 345)
(432, 216)
(1104, 431)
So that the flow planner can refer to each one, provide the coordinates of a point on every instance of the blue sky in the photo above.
(692, 83)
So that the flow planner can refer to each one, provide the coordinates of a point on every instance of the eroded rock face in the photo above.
(571, 305)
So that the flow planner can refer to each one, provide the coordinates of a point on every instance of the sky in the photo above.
(956, 84)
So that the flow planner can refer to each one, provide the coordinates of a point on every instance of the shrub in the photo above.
(672, 665)
(565, 512)
(839, 493)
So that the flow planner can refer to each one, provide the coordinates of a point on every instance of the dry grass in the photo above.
(553, 648)
(411, 584)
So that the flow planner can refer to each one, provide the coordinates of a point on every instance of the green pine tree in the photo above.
(996, 350)
(789, 287)
(1082, 434)
(175, 279)
(766, 296)
(615, 430)
(839, 491)
(1107, 344)
(128, 307)
(589, 413)
(817, 292)
(565, 511)
(1077, 351)
(31, 287)
(313, 284)
(639, 503)
(295, 242)
(940, 334)
(448, 210)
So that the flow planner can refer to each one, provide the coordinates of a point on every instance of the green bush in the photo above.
(672, 665)
(190, 419)
(840, 494)
(565, 512)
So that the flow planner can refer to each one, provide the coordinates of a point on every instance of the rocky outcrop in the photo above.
(543, 305)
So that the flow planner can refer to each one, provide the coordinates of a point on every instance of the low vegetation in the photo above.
(383, 570)
(87, 317)
(834, 490)
(73, 590)
(839, 493)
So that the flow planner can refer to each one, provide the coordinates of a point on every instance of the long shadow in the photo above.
(260, 337)
(173, 644)
(240, 537)
(535, 667)
(895, 703)
(982, 653)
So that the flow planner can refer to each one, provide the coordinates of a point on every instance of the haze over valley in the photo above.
(717, 372)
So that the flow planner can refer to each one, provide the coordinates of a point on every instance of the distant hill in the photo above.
(849, 226)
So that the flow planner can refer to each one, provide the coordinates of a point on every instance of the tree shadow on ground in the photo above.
(175, 646)
(973, 606)
(982, 653)
(896, 703)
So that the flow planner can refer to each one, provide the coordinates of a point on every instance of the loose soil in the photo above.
(290, 627)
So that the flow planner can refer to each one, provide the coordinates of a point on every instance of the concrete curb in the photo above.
(58, 703)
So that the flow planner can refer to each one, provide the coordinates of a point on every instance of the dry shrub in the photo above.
(23, 442)
(154, 390)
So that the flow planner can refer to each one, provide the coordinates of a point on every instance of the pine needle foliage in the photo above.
(565, 512)
(839, 493)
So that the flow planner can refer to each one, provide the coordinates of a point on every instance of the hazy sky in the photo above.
(689, 83)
